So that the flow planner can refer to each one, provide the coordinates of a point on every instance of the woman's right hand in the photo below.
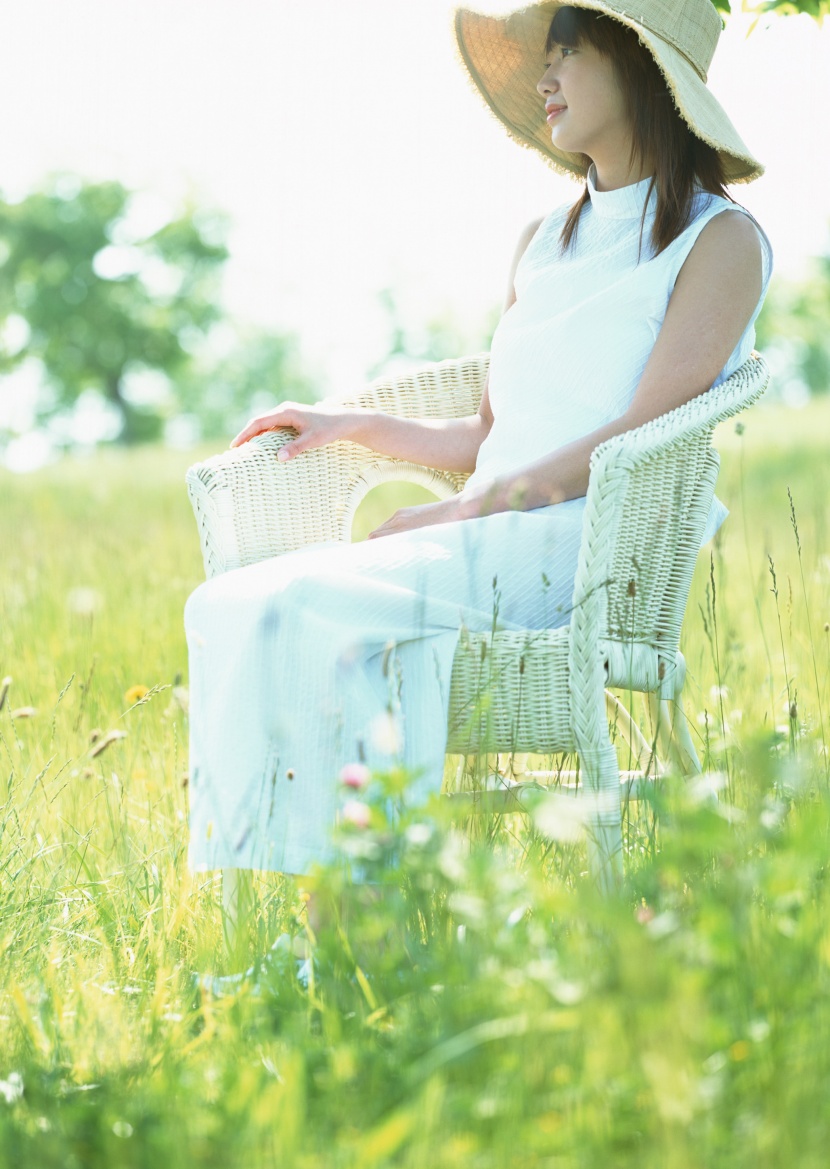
(316, 425)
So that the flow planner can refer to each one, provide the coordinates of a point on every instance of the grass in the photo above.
(509, 1016)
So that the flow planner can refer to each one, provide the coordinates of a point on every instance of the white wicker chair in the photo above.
(540, 691)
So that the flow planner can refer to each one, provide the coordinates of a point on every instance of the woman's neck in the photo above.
(610, 176)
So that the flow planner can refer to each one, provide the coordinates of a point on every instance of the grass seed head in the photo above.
(102, 743)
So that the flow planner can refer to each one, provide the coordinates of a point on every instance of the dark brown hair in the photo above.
(660, 134)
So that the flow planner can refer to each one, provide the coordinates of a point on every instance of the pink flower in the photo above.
(355, 775)
(644, 914)
(357, 813)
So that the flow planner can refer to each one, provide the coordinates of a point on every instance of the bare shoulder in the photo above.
(527, 235)
(521, 247)
(730, 240)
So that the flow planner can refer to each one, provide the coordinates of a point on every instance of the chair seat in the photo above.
(509, 692)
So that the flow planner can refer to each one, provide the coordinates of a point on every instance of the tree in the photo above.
(818, 9)
(439, 337)
(251, 372)
(96, 301)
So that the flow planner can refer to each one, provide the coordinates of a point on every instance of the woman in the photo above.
(620, 308)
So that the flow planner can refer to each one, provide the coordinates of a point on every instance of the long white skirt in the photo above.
(337, 654)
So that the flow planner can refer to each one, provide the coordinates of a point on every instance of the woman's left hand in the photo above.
(445, 511)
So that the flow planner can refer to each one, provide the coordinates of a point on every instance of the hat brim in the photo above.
(504, 57)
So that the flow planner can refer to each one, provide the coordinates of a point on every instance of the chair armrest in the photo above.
(648, 497)
(249, 506)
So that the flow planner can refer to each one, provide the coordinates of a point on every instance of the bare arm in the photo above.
(713, 300)
(447, 444)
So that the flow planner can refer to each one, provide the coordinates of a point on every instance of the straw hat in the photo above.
(505, 58)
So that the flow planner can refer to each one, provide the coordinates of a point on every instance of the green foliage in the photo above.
(99, 303)
(795, 323)
(439, 337)
(258, 371)
(818, 9)
(488, 1010)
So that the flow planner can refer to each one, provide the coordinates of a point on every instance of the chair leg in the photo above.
(673, 733)
(601, 785)
(637, 742)
(688, 756)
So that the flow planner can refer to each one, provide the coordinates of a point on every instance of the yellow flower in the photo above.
(135, 694)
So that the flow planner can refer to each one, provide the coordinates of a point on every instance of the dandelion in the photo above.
(357, 813)
(85, 602)
(355, 775)
(181, 695)
(135, 694)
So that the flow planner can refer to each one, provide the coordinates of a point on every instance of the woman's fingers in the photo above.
(315, 426)
(266, 422)
(289, 451)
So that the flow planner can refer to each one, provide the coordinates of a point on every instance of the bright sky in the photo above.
(350, 149)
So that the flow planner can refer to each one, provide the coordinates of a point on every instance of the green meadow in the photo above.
(493, 1010)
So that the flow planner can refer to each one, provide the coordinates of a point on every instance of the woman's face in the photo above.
(587, 111)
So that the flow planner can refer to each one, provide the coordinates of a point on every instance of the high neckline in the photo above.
(624, 203)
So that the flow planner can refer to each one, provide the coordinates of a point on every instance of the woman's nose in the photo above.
(548, 83)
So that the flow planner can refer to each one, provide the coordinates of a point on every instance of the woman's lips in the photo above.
(554, 112)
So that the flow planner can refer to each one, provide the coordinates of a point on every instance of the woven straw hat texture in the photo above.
(504, 56)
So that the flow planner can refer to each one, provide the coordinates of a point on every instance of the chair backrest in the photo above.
(648, 500)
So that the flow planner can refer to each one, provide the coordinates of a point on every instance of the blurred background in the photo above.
(207, 207)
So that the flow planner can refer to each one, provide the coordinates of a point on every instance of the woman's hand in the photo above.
(424, 515)
(316, 425)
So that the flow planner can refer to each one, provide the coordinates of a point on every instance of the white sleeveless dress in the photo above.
(326, 656)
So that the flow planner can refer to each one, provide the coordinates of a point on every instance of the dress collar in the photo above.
(624, 203)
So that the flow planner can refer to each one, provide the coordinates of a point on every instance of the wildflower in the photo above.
(12, 1088)
(385, 734)
(418, 834)
(355, 775)
(135, 694)
(357, 813)
(644, 914)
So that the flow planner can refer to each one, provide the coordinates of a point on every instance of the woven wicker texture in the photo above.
(538, 691)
